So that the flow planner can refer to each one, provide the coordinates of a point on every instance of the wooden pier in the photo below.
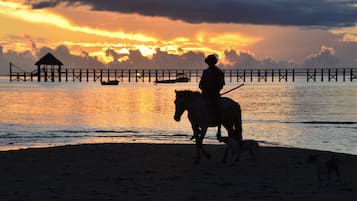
(151, 75)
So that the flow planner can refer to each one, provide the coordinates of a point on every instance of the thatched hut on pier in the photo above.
(49, 65)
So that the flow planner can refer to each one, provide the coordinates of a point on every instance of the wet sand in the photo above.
(167, 172)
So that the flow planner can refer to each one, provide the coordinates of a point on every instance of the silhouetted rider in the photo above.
(211, 83)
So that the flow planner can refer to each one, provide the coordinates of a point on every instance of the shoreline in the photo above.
(14, 147)
(138, 171)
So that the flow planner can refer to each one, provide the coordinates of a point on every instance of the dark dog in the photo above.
(237, 146)
(326, 167)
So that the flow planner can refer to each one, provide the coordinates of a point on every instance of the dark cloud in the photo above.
(248, 61)
(44, 4)
(24, 60)
(320, 13)
(325, 58)
(241, 60)
(70, 60)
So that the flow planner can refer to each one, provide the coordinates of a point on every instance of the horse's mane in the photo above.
(188, 93)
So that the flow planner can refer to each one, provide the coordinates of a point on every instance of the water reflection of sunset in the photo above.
(89, 113)
(90, 105)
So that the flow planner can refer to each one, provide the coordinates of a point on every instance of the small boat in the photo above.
(165, 81)
(110, 82)
(180, 78)
(183, 79)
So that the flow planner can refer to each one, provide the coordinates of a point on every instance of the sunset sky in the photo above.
(176, 34)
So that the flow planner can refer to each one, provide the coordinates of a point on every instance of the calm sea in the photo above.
(307, 115)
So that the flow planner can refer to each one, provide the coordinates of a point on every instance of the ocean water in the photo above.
(310, 115)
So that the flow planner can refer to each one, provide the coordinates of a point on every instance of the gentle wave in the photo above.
(89, 133)
(321, 122)
(95, 131)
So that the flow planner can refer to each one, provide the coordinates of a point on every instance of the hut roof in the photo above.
(49, 59)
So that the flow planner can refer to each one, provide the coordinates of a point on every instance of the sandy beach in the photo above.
(167, 172)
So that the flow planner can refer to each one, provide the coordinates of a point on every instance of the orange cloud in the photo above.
(81, 29)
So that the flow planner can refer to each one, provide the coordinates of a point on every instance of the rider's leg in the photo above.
(217, 112)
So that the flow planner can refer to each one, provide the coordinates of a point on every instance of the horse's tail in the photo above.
(238, 130)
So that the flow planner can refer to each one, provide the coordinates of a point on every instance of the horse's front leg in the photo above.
(202, 136)
(196, 135)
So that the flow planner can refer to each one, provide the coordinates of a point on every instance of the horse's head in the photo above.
(180, 105)
(184, 100)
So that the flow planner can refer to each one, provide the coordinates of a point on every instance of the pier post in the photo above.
(251, 75)
(122, 75)
(311, 76)
(237, 74)
(10, 64)
(136, 75)
(266, 75)
(108, 75)
(87, 75)
(344, 74)
(45, 75)
(52, 75)
(149, 75)
(59, 74)
(129, 75)
(66, 75)
(156, 76)
(94, 76)
(322, 75)
(244, 73)
(230, 75)
(331, 75)
(189, 74)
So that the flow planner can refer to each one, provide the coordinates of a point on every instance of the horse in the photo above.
(201, 118)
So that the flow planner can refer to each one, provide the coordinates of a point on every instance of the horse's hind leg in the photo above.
(203, 133)
(226, 149)
(208, 155)
(198, 154)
